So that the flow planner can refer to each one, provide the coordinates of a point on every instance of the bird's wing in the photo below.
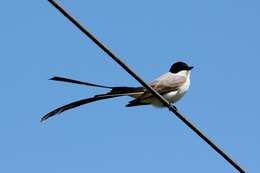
(165, 83)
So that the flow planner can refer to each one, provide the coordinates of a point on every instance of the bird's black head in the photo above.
(179, 66)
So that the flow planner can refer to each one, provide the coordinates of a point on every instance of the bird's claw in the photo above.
(173, 107)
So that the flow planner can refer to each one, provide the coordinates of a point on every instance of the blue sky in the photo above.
(219, 38)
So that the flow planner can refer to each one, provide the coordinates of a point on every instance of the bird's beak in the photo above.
(191, 67)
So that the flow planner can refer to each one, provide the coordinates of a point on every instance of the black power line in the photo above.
(141, 81)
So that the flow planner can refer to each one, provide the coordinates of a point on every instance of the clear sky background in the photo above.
(219, 38)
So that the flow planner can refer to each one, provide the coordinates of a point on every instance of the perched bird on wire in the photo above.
(171, 85)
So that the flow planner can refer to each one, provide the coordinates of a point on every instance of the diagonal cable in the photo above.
(141, 81)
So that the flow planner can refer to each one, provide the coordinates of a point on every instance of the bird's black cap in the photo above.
(179, 66)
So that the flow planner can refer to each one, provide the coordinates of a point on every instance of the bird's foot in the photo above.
(172, 107)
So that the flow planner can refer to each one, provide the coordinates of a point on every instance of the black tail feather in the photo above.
(115, 92)
(62, 79)
(73, 105)
(122, 90)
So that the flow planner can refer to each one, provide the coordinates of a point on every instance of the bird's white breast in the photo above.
(174, 96)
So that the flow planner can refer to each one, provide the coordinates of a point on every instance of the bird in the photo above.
(171, 85)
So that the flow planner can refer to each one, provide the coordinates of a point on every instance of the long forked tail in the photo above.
(114, 92)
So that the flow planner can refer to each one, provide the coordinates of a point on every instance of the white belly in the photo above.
(173, 96)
